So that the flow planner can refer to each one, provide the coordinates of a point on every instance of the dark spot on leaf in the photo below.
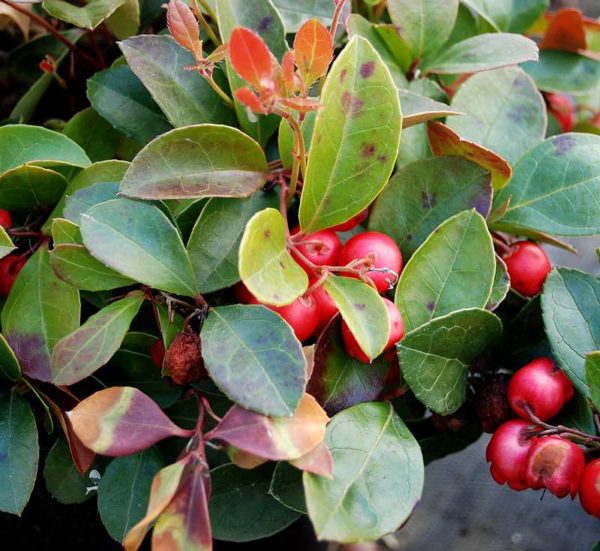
(352, 105)
(343, 76)
(409, 237)
(267, 234)
(367, 69)
(368, 150)
(360, 306)
(382, 158)
(265, 23)
(564, 143)
(430, 306)
(283, 267)
(428, 200)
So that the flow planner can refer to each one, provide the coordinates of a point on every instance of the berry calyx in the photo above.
(561, 107)
(555, 464)
(10, 266)
(507, 453)
(380, 252)
(326, 307)
(589, 488)
(396, 333)
(528, 266)
(157, 352)
(542, 387)
(353, 222)
(322, 248)
(5, 219)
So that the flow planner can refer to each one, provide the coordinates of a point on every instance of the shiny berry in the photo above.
(353, 222)
(528, 265)
(5, 219)
(10, 266)
(378, 249)
(589, 488)
(541, 386)
(321, 248)
(326, 307)
(302, 315)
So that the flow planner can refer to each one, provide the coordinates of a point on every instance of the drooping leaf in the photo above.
(355, 141)
(138, 240)
(422, 195)
(88, 16)
(94, 134)
(592, 376)
(62, 480)
(19, 453)
(287, 488)
(377, 477)
(40, 310)
(265, 264)
(570, 306)
(436, 357)
(555, 188)
(253, 356)
(197, 161)
(121, 421)
(6, 244)
(417, 109)
(313, 50)
(453, 269)
(28, 187)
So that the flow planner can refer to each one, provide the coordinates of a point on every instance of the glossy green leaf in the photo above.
(355, 141)
(253, 356)
(6, 244)
(436, 357)
(82, 200)
(417, 109)
(482, 53)
(62, 479)
(81, 353)
(138, 240)
(266, 266)
(27, 186)
(295, 13)
(377, 479)
(577, 413)
(570, 307)
(197, 161)
(564, 72)
(125, 20)
(498, 104)
(422, 195)
(215, 240)
(453, 269)
(425, 25)
(94, 134)
(363, 311)
(501, 285)
(509, 15)
(40, 310)
(414, 146)
(9, 365)
(287, 488)
(184, 96)
(19, 453)
(592, 376)
(88, 16)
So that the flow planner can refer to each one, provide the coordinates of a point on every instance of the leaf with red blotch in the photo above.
(251, 57)
(444, 141)
(183, 27)
(318, 461)
(313, 50)
(248, 98)
(120, 421)
(274, 438)
(566, 32)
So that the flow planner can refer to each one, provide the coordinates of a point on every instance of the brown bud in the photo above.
(491, 404)
(183, 359)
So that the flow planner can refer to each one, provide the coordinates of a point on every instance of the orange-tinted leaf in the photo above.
(120, 421)
(275, 438)
(251, 57)
(218, 54)
(248, 98)
(565, 32)
(313, 49)
(184, 27)
(318, 461)
(244, 460)
(288, 72)
(444, 141)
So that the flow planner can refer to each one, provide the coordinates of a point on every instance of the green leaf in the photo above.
(377, 480)
(501, 285)
(482, 53)
(414, 146)
(197, 161)
(436, 357)
(27, 187)
(253, 356)
(125, 21)
(453, 269)
(592, 376)
(564, 72)
(215, 240)
(287, 488)
(363, 311)
(355, 141)
(570, 306)
(261, 17)
(124, 490)
(138, 240)
(285, 137)
(422, 195)
(501, 103)
(62, 479)
(184, 96)
(241, 508)
(9, 365)
(88, 16)
(94, 134)
(509, 15)
(6, 244)
(84, 199)
(121, 98)
(81, 353)
(554, 188)
(19, 453)
(425, 25)
(40, 310)
(23, 144)
(577, 414)
(417, 109)
(295, 13)
(266, 267)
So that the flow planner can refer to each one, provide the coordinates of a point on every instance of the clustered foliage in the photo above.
(290, 253)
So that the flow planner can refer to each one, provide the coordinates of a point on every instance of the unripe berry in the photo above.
(321, 248)
(5, 219)
(528, 266)
(353, 222)
(10, 266)
(589, 488)
(326, 307)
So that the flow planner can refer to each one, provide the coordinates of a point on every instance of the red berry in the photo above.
(589, 488)
(555, 464)
(507, 453)
(383, 252)
(540, 385)
(353, 222)
(326, 307)
(528, 265)
(158, 353)
(321, 248)
(561, 107)
(10, 266)
(396, 333)
(302, 315)
(5, 219)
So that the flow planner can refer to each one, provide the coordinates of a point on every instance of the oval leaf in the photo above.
(313, 50)
(62, 480)
(28, 187)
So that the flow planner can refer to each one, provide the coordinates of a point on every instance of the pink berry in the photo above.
(321, 248)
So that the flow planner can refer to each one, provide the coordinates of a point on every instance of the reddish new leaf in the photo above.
(251, 58)
(566, 32)
(248, 98)
(120, 421)
(313, 49)
(318, 461)
(184, 27)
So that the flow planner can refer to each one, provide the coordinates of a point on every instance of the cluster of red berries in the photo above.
(528, 266)
(370, 254)
(10, 265)
(522, 456)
